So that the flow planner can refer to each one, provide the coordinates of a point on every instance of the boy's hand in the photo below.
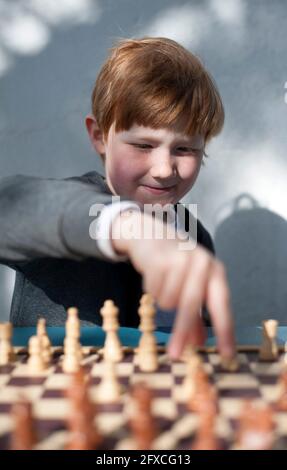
(184, 280)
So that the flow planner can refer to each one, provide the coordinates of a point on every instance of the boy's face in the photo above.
(151, 165)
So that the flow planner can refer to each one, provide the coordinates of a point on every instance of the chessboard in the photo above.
(176, 425)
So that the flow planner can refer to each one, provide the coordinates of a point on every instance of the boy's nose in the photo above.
(162, 167)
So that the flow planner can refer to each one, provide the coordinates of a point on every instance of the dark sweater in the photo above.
(44, 228)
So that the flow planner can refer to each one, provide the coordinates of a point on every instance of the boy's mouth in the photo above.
(158, 190)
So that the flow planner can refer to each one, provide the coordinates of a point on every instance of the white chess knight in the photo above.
(6, 349)
(147, 358)
(112, 348)
(269, 348)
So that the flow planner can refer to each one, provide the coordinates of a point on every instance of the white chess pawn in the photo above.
(73, 323)
(193, 364)
(112, 349)
(45, 342)
(35, 362)
(269, 348)
(109, 390)
(71, 361)
(73, 329)
(147, 358)
(6, 349)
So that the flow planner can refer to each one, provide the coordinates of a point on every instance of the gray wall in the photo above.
(50, 54)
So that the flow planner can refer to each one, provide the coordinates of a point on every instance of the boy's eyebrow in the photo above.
(156, 141)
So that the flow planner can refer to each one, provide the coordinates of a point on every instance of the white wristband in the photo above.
(104, 224)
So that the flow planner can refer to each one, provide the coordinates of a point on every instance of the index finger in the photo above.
(218, 304)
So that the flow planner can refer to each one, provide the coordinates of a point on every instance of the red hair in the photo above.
(156, 82)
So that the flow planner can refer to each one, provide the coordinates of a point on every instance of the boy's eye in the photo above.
(186, 149)
(142, 146)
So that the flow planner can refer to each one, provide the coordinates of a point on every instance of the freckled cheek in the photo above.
(124, 173)
(188, 170)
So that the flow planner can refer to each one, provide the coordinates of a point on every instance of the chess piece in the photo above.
(203, 397)
(83, 432)
(193, 363)
(230, 365)
(206, 438)
(23, 434)
(71, 361)
(36, 362)
(142, 422)
(45, 342)
(147, 359)
(6, 350)
(73, 329)
(269, 349)
(109, 390)
(256, 427)
(112, 348)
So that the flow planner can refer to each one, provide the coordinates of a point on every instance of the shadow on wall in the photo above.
(252, 243)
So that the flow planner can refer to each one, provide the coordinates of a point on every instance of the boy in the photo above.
(154, 108)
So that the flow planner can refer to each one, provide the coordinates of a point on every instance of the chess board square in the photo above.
(235, 381)
(266, 368)
(185, 426)
(270, 393)
(57, 381)
(268, 379)
(5, 424)
(55, 441)
(281, 423)
(4, 379)
(25, 381)
(154, 380)
(231, 407)
(178, 368)
(110, 422)
(11, 394)
(242, 393)
(53, 393)
(5, 370)
(164, 407)
(50, 408)
(24, 371)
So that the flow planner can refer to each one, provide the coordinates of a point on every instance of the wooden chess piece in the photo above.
(112, 349)
(147, 358)
(23, 435)
(36, 362)
(269, 349)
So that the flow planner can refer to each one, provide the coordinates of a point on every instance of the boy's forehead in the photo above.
(143, 132)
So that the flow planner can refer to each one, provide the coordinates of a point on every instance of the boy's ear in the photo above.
(95, 134)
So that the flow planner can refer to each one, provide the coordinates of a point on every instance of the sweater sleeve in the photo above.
(48, 218)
